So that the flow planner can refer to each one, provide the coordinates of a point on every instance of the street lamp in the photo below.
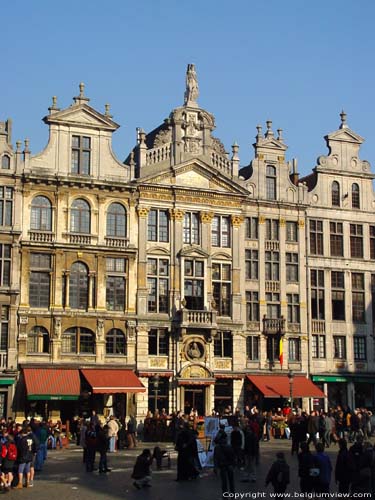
(291, 377)
(156, 387)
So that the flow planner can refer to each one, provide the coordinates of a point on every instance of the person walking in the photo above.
(141, 470)
(344, 467)
(323, 463)
(26, 448)
(224, 461)
(279, 475)
(251, 455)
(305, 465)
(102, 447)
(187, 449)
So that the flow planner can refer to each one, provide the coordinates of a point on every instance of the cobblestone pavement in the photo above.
(64, 478)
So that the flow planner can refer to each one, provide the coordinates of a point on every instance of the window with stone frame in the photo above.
(335, 194)
(358, 298)
(223, 345)
(294, 349)
(356, 202)
(116, 273)
(272, 229)
(158, 396)
(158, 342)
(252, 306)
(78, 286)
(5, 264)
(251, 264)
(40, 280)
(80, 216)
(38, 341)
(372, 242)
(251, 228)
(115, 343)
(292, 274)
(273, 305)
(271, 182)
(158, 285)
(293, 308)
(338, 295)
(5, 162)
(221, 288)
(336, 239)
(194, 284)
(78, 340)
(81, 155)
(220, 231)
(291, 231)
(6, 206)
(316, 237)
(253, 347)
(41, 214)
(158, 225)
(191, 228)
(339, 347)
(273, 348)
(317, 294)
(116, 221)
(359, 348)
(4, 326)
(356, 241)
(272, 266)
(318, 346)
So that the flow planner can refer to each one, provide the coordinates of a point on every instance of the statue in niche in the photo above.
(192, 89)
(195, 350)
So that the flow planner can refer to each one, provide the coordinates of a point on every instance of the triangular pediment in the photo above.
(193, 251)
(345, 135)
(195, 175)
(270, 143)
(82, 115)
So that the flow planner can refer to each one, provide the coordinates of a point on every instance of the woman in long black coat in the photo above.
(186, 447)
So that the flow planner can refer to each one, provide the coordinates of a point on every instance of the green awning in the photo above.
(318, 378)
(51, 397)
(7, 381)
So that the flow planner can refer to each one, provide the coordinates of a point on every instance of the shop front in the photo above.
(337, 389)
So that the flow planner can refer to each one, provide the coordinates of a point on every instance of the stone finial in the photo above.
(235, 149)
(279, 134)
(343, 120)
(142, 136)
(259, 134)
(81, 90)
(53, 107)
(27, 144)
(107, 110)
(132, 160)
(18, 146)
(81, 98)
(269, 132)
(192, 88)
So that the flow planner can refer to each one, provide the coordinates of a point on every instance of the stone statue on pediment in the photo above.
(192, 88)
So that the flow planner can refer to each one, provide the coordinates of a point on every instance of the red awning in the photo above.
(276, 386)
(52, 383)
(113, 381)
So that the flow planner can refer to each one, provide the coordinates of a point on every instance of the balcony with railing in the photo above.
(116, 242)
(80, 239)
(221, 163)
(39, 236)
(197, 319)
(318, 326)
(273, 326)
(157, 155)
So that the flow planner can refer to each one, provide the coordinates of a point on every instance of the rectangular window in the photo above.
(319, 346)
(336, 239)
(273, 348)
(293, 308)
(6, 206)
(220, 231)
(221, 288)
(251, 228)
(191, 228)
(158, 342)
(291, 231)
(5, 261)
(294, 349)
(273, 305)
(272, 266)
(4, 327)
(272, 229)
(251, 264)
(252, 348)
(158, 285)
(317, 294)
(39, 283)
(339, 345)
(252, 306)
(158, 226)
(372, 242)
(360, 353)
(316, 237)
(356, 241)
(223, 345)
(292, 267)
(338, 295)
(115, 265)
(358, 298)
(81, 155)
(270, 182)
(115, 293)
(194, 284)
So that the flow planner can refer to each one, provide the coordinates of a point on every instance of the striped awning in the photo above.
(108, 381)
(52, 383)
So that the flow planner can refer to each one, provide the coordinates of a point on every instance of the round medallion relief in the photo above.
(194, 350)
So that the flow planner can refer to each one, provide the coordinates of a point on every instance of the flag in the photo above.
(281, 356)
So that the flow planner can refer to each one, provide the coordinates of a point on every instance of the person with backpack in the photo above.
(323, 464)
(278, 475)
(224, 461)
(26, 449)
(8, 458)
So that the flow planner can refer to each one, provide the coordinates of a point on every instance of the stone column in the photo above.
(57, 284)
(177, 216)
(67, 289)
(56, 339)
(131, 343)
(142, 401)
(142, 290)
(238, 394)
(206, 220)
(91, 284)
(100, 342)
(101, 284)
(237, 265)
(262, 273)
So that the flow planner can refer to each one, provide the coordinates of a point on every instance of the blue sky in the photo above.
(297, 63)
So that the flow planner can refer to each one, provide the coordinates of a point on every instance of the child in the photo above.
(141, 471)
(278, 475)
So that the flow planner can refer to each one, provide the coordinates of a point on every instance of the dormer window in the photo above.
(270, 182)
(81, 155)
(335, 192)
(5, 162)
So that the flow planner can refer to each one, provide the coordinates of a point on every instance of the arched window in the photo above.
(38, 340)
(80, 217)
(116, 220)
(5, 162)
(116, 342)
(41, 214)
(78, 341)
(335, 194)
(78, 286)
(270, 182)
(355, 196)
